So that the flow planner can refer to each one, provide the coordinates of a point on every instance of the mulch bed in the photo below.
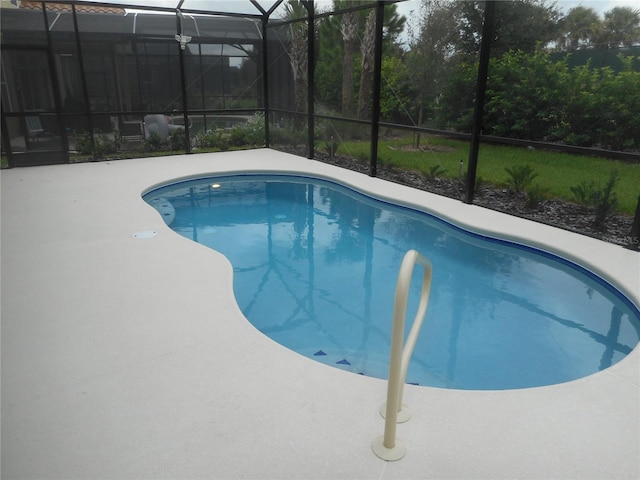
(558, 213)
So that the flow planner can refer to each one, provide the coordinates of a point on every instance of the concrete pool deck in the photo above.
(129, 358)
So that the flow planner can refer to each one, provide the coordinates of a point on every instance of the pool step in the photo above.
(164, 208)
(330, 359)
(352, 361)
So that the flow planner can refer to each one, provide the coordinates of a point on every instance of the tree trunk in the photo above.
(367, 50)
(349, 30)
(417, 137)
(299, 57)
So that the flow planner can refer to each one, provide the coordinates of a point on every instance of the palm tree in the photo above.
(349, 30)
(622, 27)
(357, 38)
(298, 54)
(367, 50)
(582, 27)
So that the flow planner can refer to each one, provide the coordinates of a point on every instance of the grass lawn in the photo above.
(556, 172)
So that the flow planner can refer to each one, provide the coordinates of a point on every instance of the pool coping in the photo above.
(108, 409)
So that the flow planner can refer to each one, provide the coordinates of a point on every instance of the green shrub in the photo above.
(213, 139)
(584, 193)
(605, 201)
(520, 177)
(206, 139)
(434, 171)
(524, 95)
(535, 97)
(238, 136)
(154, 143)
(106, 146)
(454, 107)
(535, 196)
(83, 144)
(287, 136)
(103, 144)
(254, 130)
(178, 140)
(331, 146)
(250, 133)
(223, 142)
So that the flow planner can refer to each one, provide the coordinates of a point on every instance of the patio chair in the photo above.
(131, 131)
(34, 127)
(160, 125)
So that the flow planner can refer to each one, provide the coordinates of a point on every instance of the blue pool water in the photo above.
(315, 268)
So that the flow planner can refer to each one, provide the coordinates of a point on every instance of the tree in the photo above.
(367, 50)
(298, 54)
(431, 50)
(393, 26)
(444, 51)
(353, 57)
(525, 95)
(520, 25)
(621, 27)
(396, 94)
(581, 28)
(329, 52)
(349, 29)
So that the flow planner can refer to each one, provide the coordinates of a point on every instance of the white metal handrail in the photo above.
(386, 446)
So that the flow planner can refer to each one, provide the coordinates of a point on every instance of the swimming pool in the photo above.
(315, 266)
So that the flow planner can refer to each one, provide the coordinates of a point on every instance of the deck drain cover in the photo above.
(145, 234)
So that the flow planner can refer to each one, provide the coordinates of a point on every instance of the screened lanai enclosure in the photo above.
(439, 90)
(95, 79)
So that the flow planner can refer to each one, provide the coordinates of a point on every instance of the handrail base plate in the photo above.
(403, 415)
(388, 454)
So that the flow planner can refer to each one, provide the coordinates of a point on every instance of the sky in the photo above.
(244, 6)
(599, 6)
